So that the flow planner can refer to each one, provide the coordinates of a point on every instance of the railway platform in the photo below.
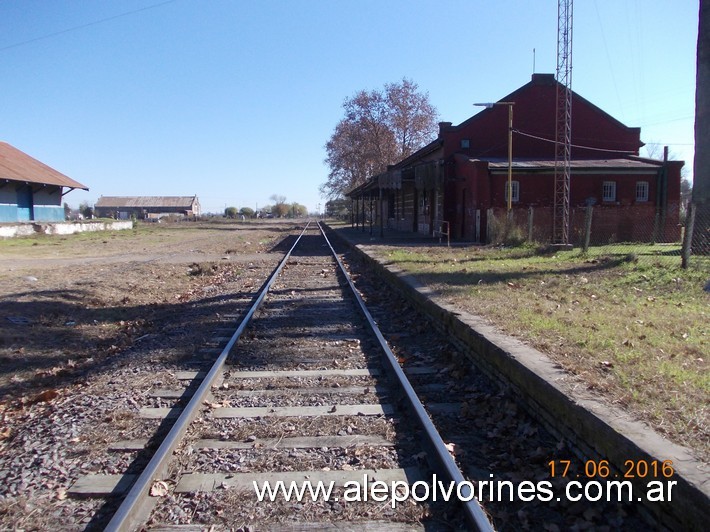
(600, 430)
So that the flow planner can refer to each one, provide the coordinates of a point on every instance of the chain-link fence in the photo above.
(663, 237)
(695, 249)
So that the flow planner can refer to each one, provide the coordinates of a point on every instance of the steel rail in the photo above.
(131, 513)
(443, 461)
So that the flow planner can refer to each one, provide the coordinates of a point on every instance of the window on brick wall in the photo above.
(609, 191)
(641, 191)
(515, 186)
(465, 143)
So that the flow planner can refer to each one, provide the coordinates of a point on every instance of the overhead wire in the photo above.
(608, 56)
(627, 152)
(86, 25)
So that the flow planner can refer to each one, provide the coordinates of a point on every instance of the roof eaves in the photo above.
(16, 165)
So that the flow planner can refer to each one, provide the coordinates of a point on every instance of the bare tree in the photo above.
(369, 111)
(379, 128)
(297, 210)
(686, 192)
(280, 208)
(349, 156)
(412, 118)
(654, 150)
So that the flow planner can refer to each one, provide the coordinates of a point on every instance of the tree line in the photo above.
(280, 209)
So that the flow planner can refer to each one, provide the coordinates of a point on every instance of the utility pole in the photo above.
(700, 237)
(509, 187)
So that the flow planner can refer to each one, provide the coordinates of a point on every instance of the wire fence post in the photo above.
(530, 223)
(489, 225)
(587, 227)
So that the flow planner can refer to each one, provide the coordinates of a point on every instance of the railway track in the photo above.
(307, 389)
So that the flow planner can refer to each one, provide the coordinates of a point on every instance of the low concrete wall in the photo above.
(64, 228)
(600, 431)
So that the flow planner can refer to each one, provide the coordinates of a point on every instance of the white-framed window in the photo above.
(465, 143)
(609, 191)
(515, 186)
(641, 191)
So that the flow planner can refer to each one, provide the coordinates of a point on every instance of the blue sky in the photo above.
(233, 100)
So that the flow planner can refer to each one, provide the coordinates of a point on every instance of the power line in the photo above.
(672, 143)
(682, 118)
(627, 152)
(608, 56)
(82, 26)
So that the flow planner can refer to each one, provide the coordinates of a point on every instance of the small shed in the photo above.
(31, 191)
(146, 207)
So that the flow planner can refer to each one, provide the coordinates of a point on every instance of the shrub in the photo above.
(504, 231)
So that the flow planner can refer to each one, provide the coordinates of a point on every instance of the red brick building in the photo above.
(460, 180)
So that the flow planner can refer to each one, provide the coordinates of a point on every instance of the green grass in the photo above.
(626, 319)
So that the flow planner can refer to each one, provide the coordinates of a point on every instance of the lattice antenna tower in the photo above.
(563, 135)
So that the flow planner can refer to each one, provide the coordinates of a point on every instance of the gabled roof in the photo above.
(594, 131)
(541, 80)
(146, 201)
(16, 165)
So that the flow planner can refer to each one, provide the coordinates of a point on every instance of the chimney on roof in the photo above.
(443, 126)
(543, 79)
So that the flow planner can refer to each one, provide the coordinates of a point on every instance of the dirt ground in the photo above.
(87, 324)
(67, 299)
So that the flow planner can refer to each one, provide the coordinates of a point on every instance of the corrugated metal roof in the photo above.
(16, 165)
(578, 164)
(146, 202)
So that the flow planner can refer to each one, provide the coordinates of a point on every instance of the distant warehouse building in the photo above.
(145, 207)
(31, 191)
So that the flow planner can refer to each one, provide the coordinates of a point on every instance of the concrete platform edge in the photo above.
(550, 394)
